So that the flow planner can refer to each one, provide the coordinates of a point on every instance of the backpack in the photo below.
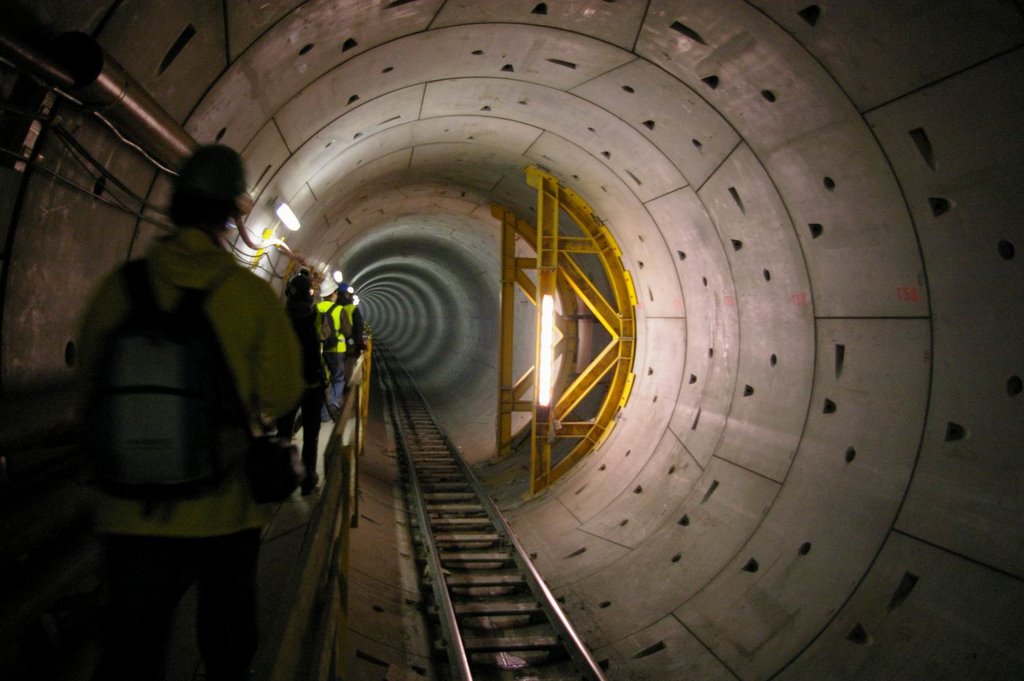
(162, 399)
(328, 332)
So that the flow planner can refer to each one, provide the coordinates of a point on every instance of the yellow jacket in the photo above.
(260, 348)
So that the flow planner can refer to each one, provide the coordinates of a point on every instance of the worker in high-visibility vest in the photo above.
(354, 341)
(336, 328)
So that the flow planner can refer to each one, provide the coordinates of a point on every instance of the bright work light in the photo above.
(287, 216)
(547, 323)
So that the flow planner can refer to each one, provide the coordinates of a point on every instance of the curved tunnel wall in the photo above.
(817, 474)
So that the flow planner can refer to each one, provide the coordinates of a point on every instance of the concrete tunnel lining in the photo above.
(808, 323)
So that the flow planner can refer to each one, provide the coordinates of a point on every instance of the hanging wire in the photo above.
(116, 206)
(113, 128)
(69, 141)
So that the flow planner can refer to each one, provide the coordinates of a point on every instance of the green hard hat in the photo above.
(213, 171)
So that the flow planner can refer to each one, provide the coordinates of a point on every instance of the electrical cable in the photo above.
(141, 216)
(75, 151)
(69, 140)
(113, 128)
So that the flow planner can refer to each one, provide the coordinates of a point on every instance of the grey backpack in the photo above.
(162, 398)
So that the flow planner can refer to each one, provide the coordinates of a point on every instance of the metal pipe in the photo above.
(104, 86)
(32, 56)
(75, 63)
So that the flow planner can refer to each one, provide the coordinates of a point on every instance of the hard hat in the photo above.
(327, 288)
(346, 287)
(300, 288)
(214, 172)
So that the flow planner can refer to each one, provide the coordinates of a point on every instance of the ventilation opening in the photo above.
(371, 659)
(176, 48)
(711, 82)
(903, 590)
(650, 650)
(349, 44)
(688, 32)
(562, 62)
(859, 636)
(810, 14)
(262, 175)
(939, 205)
(1006, 250)
(711, 490)
(540, 9)
(736, 197)
(924, 146)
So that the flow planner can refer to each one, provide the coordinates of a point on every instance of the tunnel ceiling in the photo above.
(818, 467)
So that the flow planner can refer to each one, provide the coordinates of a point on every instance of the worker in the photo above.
(155, 549)
(336, 329)
(306, 322)
(354, 342)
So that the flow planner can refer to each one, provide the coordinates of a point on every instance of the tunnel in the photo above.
(818, 472)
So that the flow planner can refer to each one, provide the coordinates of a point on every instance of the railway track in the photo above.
(493, 616)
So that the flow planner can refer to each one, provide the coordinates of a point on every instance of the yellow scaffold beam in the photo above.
(558, 274)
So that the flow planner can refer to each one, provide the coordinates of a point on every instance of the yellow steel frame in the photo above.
(560, 276)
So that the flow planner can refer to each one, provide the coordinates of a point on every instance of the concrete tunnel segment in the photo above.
(818, 471)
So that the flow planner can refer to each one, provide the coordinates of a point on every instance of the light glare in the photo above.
(287, 216)
(547, 322)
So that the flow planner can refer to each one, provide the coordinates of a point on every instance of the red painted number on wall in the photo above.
(908, 294)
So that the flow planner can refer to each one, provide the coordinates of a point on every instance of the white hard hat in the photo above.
(328, 287)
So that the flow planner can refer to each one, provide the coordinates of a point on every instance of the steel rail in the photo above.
(457, 656)
(586, 665)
